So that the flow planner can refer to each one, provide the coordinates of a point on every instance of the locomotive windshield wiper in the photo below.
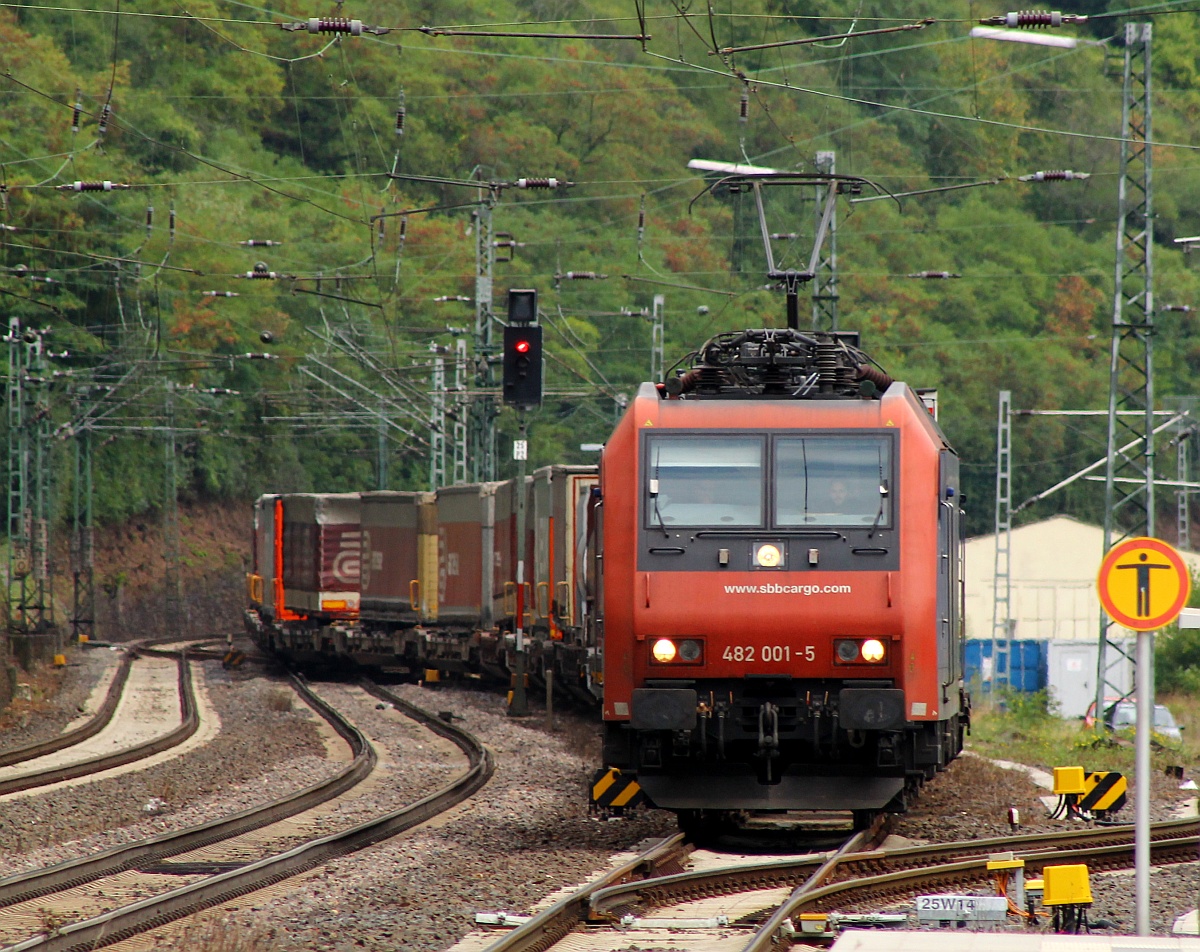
(883, 494)
(654, 495)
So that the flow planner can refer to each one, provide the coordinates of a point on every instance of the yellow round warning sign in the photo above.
(1144, 583)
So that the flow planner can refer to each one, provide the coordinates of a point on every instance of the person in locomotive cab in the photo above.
(846, 502)
(839, 494)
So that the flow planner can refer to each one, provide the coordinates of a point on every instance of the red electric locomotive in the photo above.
(778, 583)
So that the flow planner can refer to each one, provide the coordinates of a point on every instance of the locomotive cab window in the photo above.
(833, 481)
(705, 481)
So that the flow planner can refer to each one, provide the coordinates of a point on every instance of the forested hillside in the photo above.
(320, 148)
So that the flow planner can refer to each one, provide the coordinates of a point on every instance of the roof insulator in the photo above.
(91, 187)
(334, 25)
(1033, 19)
(1054, 175)
(542, 183)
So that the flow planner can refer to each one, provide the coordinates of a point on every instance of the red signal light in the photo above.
(521, 347)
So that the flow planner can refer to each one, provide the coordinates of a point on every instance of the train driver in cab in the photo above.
(848, 501)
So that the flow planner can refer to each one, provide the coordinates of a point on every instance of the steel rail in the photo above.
(961, 873)
(103, 714)
(127, 921)
(791, 872)
(91, 728)
(741, 877)
(550, 925)
(72, 873)
(965, 872)
(188, 726)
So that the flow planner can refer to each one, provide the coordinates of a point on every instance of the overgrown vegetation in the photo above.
(245, 133)
(1024, 728)
(1177, 654)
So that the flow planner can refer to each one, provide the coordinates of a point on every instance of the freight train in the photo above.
(760, 586)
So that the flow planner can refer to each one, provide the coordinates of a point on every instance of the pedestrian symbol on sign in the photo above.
(1143, 584)
(1143, 580)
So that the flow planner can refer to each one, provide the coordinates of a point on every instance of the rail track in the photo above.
(208, 855)
(17, 757)
(71, 769)
(851, 876)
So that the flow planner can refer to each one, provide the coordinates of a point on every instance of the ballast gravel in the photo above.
(525, 835)
(260, 753)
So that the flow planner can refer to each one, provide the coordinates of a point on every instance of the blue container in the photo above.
(1026, 659)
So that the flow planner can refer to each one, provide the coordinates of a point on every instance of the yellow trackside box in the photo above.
(1068, 780)
(1066, 886)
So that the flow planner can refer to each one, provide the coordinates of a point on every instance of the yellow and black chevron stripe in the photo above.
(612, 790)
(1103, 792)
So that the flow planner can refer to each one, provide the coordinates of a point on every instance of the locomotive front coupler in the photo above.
(768, 737)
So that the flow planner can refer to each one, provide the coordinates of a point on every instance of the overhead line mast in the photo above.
(1129, 506)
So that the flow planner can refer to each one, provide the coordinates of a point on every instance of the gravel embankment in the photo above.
(525, 835)
(36, 720)
(221, 777)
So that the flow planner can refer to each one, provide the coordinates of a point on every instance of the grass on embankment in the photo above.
(1019, 727)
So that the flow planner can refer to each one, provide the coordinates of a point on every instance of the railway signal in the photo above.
(522, 351)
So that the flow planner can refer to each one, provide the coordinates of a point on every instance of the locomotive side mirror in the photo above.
(654, 487)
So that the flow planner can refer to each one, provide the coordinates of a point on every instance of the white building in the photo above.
(1053, 566)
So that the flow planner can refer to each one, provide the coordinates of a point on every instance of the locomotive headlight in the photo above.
(676, 651)
(847, 650)
(768, 556)
(860, 650)
(663, 650)
(689, 650)
(872, 650)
